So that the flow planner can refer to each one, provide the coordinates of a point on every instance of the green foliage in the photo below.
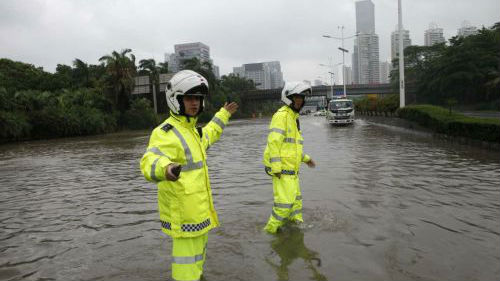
(84, 98)
(442, 121)
(389, 103)
(120, 77)
(204, 68)
(451, 102)
(150, 68)
(37, 114)
(140, 115)
(13, 125)
(466, 70)
(16, 76)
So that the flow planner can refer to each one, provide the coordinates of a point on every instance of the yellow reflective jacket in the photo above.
(186, 207)
(284, 150)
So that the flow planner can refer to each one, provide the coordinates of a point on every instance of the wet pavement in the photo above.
(382, 204)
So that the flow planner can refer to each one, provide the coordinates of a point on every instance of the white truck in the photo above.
(340, 111)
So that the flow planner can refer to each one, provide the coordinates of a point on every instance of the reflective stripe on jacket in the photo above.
(186, 206)
(284, 150)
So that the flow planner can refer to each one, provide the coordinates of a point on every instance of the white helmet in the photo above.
(294, 88)
(185, 82)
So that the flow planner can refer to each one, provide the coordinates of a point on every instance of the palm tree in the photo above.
(81, 72)
(202, 67)
(163, 67)
(120, 77)
(150, 66)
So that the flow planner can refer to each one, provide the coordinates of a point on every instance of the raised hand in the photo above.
(231, 107)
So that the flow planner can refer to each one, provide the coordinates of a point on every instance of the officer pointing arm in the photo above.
(175, 160)
(173, 170)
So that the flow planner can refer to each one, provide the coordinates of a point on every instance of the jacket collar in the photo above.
(290, 111)
(188, 122)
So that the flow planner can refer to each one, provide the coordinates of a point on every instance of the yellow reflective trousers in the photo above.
(188, 257)
(284, 154)
(287, 202)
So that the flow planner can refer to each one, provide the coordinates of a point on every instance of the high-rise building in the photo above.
(466, 29)
(259, 74)
(167, 58)
(239, 71)
(265, 75)
(276, 74)
(348, 75)
(365, 57)
(215, 70)
(433, 35)
(385, 71)
(355, 59)
(395, 43)
(187, 51)
(365, 17)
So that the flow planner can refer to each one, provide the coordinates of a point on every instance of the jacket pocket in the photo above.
(193, 181)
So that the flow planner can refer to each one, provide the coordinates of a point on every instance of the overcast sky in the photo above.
(46, 33)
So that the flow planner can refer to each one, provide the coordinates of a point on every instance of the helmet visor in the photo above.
(201, 91)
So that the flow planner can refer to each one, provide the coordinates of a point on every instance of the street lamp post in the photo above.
(401, 57)
(331, 75)
(343, 50)
(343, 60)
(331, 83)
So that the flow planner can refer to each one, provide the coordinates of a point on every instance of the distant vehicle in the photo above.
(321, 112)
(340, 111)
(305, 112)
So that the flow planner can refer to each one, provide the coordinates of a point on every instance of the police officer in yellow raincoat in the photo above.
(185, 202)
(283, 156)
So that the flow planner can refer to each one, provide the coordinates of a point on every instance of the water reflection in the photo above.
(399, 206)
(289, 245)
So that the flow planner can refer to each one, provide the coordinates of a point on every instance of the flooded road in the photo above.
(382, 204)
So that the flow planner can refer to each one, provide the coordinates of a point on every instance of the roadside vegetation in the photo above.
(464, 72)
(442, 121)
(463, 75)
(86, 99)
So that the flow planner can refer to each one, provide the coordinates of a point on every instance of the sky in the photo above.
(47, 33)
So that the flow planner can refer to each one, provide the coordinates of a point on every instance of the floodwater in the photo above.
(382, 204)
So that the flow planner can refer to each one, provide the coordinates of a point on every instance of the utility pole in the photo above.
(401, 58)
(343, 59)
(343, 50)
(154, 96)
(331, 84)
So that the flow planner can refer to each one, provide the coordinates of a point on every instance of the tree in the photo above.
(202, 67)
(16, 76)
(149, 66)
(64, 75)
(163, 67)
(81, 73)
(236, 83)
(120, 77)
(465, 70)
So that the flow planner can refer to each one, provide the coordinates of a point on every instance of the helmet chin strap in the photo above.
(182, 109)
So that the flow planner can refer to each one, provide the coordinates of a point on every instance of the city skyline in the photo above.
(47, 33)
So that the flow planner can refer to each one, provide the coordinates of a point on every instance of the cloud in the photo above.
(46, 33)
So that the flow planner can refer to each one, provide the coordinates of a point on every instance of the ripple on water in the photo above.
(79, 208)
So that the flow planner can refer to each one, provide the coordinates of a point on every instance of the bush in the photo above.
(13, 126)
(140, 115)
(385, 104)
(442, 121)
